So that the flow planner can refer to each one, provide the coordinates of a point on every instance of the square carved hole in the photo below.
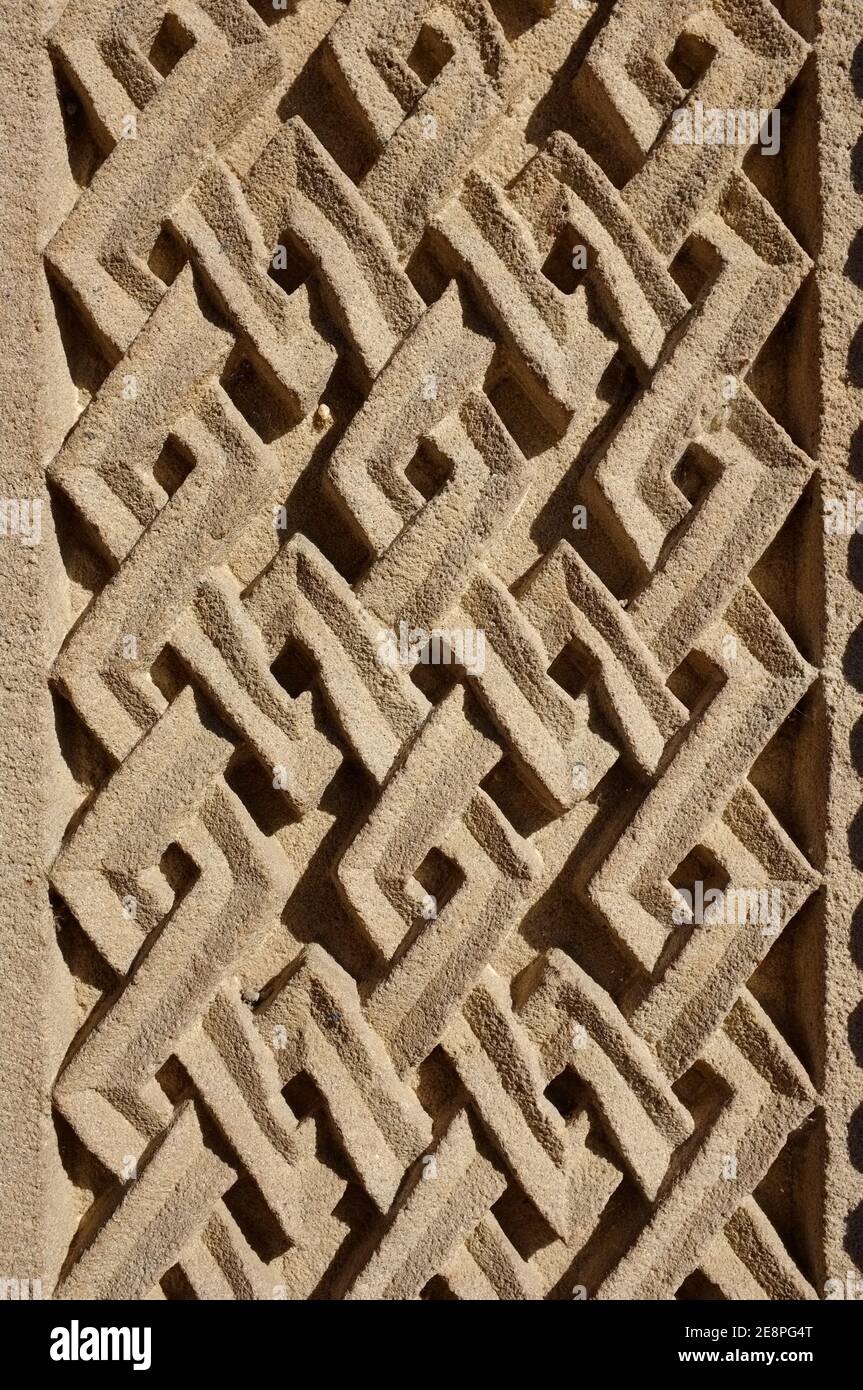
(440, 877)
(290, 264)
(694, 681)
(301, 1095)
(566, 1093)
(694, 474)
(569, 673)
(167, 258)
(294, 669)
(567, 262)
(427, 471)
(253, 784)
(695, 267)
(689, 59)
(515, 800)
(179, 871)
(435, 682)
(271, 11)
(437, 1291)
(267, 414)
(429, 55)
(171, 468)
(531, 431)
(170, 44)
(169, 674)
(700, 866)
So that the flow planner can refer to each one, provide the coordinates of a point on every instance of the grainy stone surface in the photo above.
(430, 645)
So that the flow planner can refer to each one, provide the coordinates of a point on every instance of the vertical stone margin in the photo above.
(839, 56)
(28, 951)
(38, 404)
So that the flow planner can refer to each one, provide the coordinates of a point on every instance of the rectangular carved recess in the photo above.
(430, 647)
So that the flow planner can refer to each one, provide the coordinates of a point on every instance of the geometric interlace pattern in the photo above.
(377, 984)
